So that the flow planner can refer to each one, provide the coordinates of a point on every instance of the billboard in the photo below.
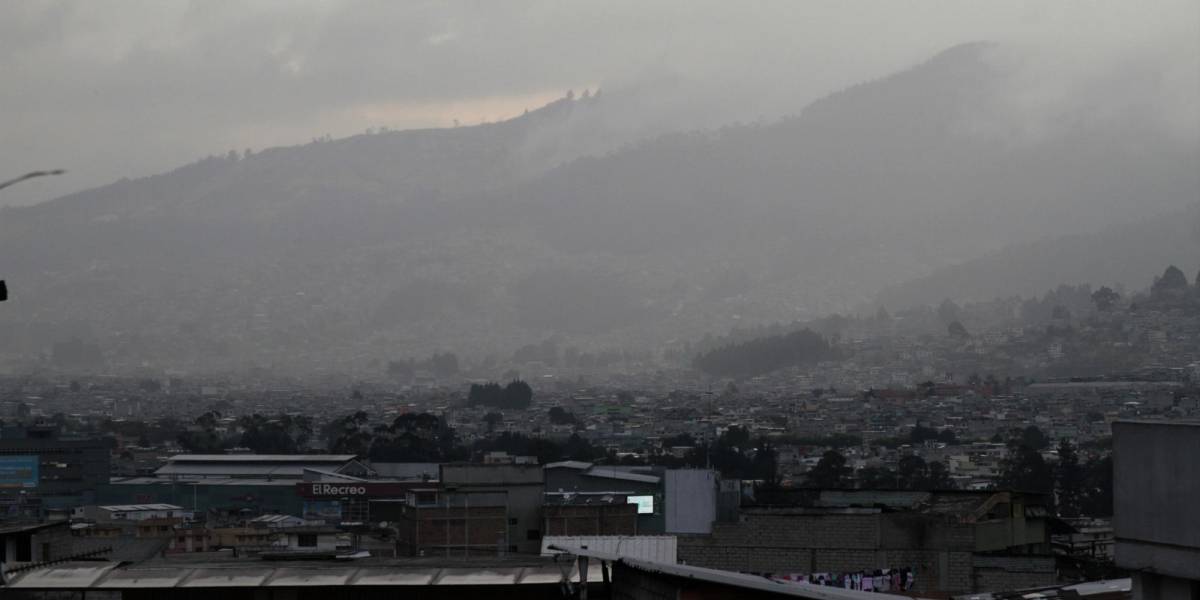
(645, 504)
(322, 510)
(18, 471)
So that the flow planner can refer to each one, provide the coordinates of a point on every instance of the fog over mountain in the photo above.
(478, 239)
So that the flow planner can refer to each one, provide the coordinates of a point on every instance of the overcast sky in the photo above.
(109, 89)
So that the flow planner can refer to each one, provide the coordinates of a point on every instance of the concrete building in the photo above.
(669, 500)
(523, 487)
(955, 542)
(472, 510)
(42, 470)
(1156, 474)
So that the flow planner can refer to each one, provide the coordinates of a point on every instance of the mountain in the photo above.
(1129, 255)
(340, 255)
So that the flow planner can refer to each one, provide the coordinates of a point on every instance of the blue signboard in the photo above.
(18, 471)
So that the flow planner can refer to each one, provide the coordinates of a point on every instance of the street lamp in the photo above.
(4, 184)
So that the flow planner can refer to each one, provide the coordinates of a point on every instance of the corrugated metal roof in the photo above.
(469, 576)
(395, 577)
(239, 577)
(299, 577)
(67, 575)
(660, 548)
(76, 576)
(263, 458)
(622, 475)
(569, 464)
(142, 578)
(406, 470)
(139, 507)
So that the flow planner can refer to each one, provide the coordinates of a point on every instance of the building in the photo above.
(588, 514)
(258, 466)
(42, 470)
(954, 542)
(234, 484)
(129, 512)
(1156, 477)
(192, 577)
(523, 487)
(438, 522)
(472, 510)
(34, 542)
(668, 500)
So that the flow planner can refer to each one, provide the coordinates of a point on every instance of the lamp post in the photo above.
(4, 184)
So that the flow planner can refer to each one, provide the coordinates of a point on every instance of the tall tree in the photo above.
(1098, 487)
(1025, 470)
(1068, 480)
(1105, 298)
(349, 434)
(830, 472)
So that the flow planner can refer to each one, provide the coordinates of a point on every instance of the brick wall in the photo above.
(618, 519)
(456, 531)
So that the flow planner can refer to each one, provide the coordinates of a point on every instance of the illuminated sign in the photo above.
(333, 489)
(18, 471)
(645, 504)
(351, 489)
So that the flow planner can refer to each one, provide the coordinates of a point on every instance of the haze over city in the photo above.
(543, 299)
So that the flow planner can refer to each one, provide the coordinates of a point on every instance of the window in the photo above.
(307, 540)
(512, 521)
(533, 534)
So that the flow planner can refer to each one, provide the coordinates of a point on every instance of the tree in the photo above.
(517, 395)
(416, 437)
(203, 437)
(957, 330)
(1172, 280)
(1068, 481)
(1034, 438)
(831, 471)
(911, 472)
(1097, 498)
(349, 434)
(765, 465)
(560, 416)
(283, 434)
(766, 354)
(1025, 470)
(948, 311)
(938, 477)
(1105, 299)
(493, 420)
(877, 478)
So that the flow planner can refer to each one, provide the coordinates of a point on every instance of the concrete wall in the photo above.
(1156, 474)
(525, 489)
(851, 540)
(1001, 573)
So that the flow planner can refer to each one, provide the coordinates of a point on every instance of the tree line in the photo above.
(764, 355)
